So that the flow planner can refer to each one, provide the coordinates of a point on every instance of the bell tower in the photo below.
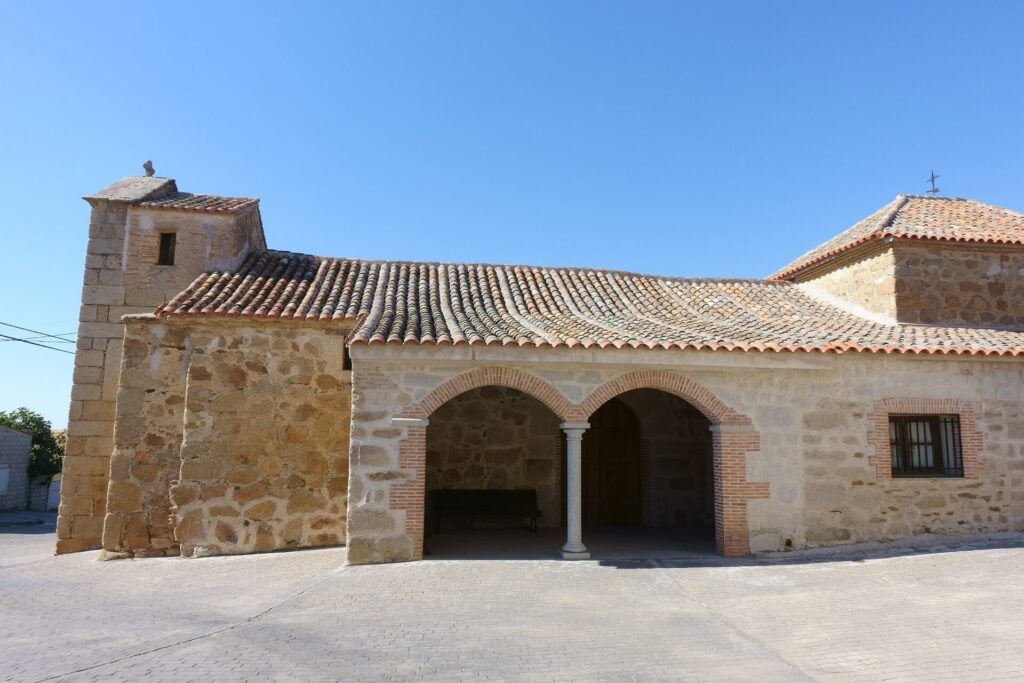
(147, 242)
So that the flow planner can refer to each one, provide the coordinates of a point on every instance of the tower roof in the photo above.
(949, 219)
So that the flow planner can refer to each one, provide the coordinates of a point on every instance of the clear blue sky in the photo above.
(712, 139)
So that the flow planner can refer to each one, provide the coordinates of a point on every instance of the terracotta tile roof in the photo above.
(441, 303)
(922, 217)
(199, 202)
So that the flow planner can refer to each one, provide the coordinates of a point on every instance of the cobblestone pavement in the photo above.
(927, 616)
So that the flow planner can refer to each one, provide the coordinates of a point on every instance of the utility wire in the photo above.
(25, 329)
(26, 341)
(66, 341)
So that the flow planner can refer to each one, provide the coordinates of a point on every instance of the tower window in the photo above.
(166, 257)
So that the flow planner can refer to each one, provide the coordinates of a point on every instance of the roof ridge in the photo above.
(611, 271)
(890, 217)
(179, 193)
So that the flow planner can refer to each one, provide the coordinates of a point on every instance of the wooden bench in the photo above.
(484, 503)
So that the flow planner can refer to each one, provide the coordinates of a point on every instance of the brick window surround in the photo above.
(733, 439)
(970, 437)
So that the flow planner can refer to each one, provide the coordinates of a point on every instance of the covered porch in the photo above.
(624, 465)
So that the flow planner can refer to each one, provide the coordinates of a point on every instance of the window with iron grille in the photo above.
(926, 446)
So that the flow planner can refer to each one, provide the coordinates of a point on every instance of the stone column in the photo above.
(574, 548)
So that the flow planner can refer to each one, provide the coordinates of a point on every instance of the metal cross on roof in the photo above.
(932, 180)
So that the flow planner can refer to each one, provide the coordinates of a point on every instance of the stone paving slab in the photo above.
(303, 616)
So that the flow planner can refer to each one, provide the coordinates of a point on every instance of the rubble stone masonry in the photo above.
(959, 284)
(927, 282)
(246, 427)
(497, 438)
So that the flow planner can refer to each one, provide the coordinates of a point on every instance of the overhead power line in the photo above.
(68, 341)
(26, 341)
(25, 329)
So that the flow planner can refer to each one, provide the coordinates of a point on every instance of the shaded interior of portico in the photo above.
(647, 481)
(648, 473)
(492, 438)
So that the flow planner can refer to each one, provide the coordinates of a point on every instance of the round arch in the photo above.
(733, 439)
(512, 378)
(685, 388)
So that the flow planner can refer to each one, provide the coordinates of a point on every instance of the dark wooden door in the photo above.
(611, 467)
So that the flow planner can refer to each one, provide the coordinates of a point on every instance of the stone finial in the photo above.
(148, 166)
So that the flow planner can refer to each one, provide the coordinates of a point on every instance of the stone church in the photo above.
(232, 398)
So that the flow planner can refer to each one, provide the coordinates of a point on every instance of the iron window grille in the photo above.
(926, 446)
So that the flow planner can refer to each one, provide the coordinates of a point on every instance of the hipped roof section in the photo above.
(948, 219)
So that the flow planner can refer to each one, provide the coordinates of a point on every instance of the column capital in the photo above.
(575, 426)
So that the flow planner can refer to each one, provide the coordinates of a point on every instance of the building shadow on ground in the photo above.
(641, 548)
(28, 523)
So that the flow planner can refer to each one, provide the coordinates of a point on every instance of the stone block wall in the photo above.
(850, 495)
(38, 494)
(15, 447)
(90, 434)
(957, 284)
(497, 438)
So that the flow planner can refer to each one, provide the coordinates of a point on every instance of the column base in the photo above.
(575, 555)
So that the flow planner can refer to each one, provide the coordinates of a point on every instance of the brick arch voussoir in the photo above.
(512, 378)
(670, 382)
